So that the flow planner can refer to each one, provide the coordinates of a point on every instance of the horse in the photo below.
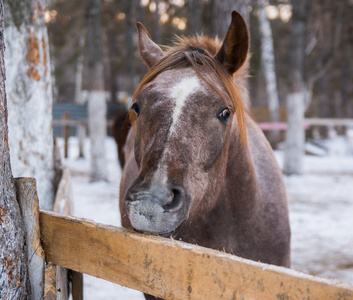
(197, 167)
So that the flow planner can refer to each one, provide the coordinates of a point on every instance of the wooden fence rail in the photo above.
(171, 269)
(307, 123)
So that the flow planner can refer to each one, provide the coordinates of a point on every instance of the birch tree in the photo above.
(29, 92)
(13, 265)
(97, 107)
(294, 149)
(268, 66)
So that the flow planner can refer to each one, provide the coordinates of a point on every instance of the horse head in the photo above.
(186, 114)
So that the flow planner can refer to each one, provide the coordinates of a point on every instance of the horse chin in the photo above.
(151, 218)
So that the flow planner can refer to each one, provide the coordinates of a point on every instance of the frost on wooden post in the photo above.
(29, 92)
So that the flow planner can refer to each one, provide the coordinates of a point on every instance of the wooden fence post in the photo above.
(50, 282)
(66, 129)
(77, 285)
(28, 201)
(63, 205)
(81, 133)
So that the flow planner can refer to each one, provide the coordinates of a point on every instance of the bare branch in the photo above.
(328, 60)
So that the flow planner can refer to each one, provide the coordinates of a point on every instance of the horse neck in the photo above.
(241, 184)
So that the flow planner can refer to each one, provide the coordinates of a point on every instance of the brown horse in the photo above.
(197, 166)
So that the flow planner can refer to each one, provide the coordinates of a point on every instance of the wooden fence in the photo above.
(308, 123)
(171, 269)
(48, 281)
(163, 267)
(66, 123)
(81, 128)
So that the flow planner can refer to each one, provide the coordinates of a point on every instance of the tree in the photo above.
(294, 150)
(268, 66)
(222, 14)
(97, 107)
(129, 5)
(194, 16)
(13, 264)
(29, 92)
(327, 48)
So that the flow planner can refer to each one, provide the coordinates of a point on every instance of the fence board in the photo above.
(328, 122)
(57, 276)
(172, 269)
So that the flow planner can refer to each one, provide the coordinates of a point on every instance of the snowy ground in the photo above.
(320, 203)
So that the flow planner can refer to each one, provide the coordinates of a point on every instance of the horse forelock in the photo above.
(199, 53)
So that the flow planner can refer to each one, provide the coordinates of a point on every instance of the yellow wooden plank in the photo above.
(171, 269)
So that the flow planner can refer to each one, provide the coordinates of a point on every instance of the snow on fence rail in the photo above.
(163, 267)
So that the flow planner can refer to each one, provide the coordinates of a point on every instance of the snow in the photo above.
(320, 204)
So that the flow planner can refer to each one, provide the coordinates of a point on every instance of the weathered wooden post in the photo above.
(81, 134)
(28, 200)
(66, 133)
(57, 286)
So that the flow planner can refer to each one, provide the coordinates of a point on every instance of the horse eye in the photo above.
(136, 108)
(224, 115)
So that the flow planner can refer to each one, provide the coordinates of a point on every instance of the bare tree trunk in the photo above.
(221, 17)
(268, 66)
(345, 78)
(221, 11)
(113, 58)
(129, 5)
(13, 264)
(242, 6)
(29, 90)
(79, 71)
(328, 51)
(156, 35)
(195, 16)
(295, 138)
(141, 17)
(97, 106)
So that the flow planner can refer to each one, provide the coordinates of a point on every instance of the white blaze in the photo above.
(180, 93)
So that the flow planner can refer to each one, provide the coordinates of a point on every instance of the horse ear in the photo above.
(235, 47)
(150, 52)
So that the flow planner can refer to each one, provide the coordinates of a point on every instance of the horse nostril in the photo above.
(176, 201)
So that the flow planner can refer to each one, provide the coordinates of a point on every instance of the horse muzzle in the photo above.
(155, 209)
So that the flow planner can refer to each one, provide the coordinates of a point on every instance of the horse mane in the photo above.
(198, 52)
